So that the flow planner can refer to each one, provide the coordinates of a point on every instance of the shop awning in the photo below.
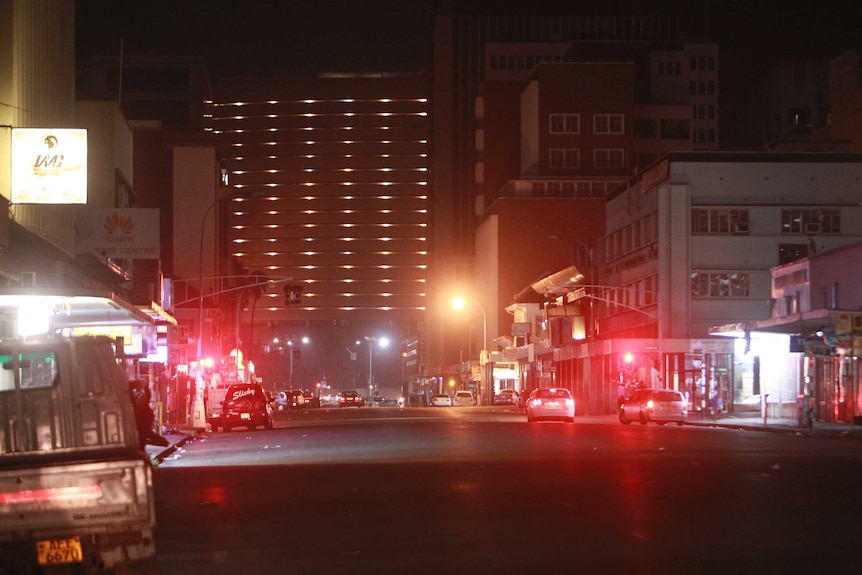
(67, 308)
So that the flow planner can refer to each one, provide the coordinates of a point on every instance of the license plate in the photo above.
(58, 551)
(553, 404)
(245, 416)
(668, 408)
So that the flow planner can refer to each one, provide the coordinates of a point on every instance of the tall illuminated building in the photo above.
(327, 181)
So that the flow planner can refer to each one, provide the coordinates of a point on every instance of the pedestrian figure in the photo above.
(144, 416)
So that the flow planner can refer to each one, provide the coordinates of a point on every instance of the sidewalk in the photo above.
(753, 420)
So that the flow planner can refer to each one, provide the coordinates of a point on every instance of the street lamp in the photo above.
(382, 342)
(485, 389)
(289, 342)
(460, 303)
(209, 209)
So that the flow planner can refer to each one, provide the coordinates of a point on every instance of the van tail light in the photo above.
(78, 493)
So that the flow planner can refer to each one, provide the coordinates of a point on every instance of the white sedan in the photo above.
(555, 403)
(441, 400)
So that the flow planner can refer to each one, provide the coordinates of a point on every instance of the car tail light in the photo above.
(650, 404)
(537, 402)
(570, 402)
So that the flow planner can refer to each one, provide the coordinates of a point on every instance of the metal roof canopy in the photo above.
(70, 308)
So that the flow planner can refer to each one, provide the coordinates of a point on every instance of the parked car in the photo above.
(463, 398)
(658, 405)
(350, 399)
(310, 399)
(554, 403)
(246, 404)
(506, 397)
(441, 400)
(289, 399)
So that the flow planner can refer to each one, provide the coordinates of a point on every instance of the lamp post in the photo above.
(289, 342)
(353, 370)
(484, 389)
(383, 342)
(201, 268)
(460, 303)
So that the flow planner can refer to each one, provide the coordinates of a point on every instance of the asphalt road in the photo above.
(464, 490)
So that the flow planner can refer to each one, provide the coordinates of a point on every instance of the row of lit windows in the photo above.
(328, 156)
(341, 225)
(273, 129)
(327, 142)
(324, 184)
(421, 114)
(363, 253)
(312, 212)
(315, 101)
(275, 267)
(328, 170)
(385, 197)
(570, 123)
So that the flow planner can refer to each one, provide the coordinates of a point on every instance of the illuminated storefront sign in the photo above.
(49, 166)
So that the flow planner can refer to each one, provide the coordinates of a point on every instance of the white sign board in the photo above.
(131, 233)
(49, 166)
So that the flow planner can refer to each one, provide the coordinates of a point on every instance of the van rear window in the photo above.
(30, 370)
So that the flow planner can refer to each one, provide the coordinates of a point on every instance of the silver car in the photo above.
(658, 405)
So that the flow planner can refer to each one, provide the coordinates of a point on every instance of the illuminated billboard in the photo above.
(49, 166)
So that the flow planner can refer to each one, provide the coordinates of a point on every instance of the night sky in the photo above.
(293, 38)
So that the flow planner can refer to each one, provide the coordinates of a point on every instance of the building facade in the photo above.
(689, 245)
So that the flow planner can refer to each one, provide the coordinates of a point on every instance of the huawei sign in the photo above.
(115, 223)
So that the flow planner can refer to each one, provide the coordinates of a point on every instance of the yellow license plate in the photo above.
(57, 551)
(245, 416)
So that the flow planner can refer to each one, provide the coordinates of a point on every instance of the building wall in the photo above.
(535, 238)
(37, 64)
(585, 89)
(846, 100)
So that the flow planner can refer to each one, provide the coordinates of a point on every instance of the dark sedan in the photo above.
(350, 399)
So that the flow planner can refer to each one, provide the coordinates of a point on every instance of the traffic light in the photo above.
(292, 294)
(628, 361)
(209, 365)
